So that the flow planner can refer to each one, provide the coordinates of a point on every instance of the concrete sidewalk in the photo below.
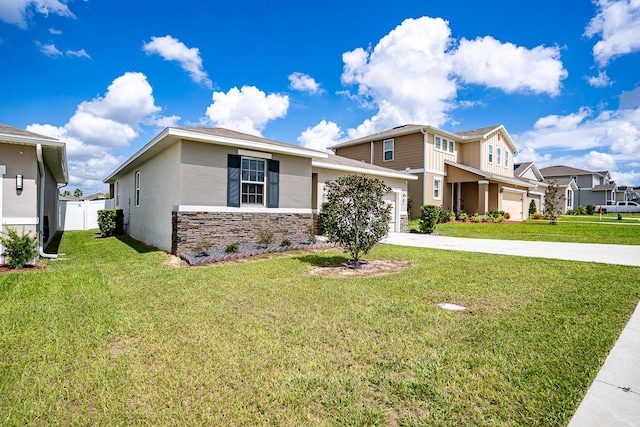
(613, 399)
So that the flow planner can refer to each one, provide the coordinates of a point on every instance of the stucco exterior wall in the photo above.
(151, 220)
(19, 204)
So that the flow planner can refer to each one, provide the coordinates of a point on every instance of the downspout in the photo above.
(41, 205)
(424, 166)
(371, 155)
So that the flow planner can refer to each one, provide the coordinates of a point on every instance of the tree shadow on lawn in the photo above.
(323, 261)
(138, 246)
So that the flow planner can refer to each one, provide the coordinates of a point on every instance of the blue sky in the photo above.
(107, 76)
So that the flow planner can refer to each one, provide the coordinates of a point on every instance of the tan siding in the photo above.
(469, 154)
(360, 152)
(498, 141)
(436, 158)
(408, 152)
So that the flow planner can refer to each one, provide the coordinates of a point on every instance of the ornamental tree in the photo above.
(553, 201)
(360, 216)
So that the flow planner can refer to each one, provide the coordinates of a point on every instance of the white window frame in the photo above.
(490, 158)
(386, 150)
(437, 188)
(250, 181)
(498, 156)
(569, 198)
(444, 145)
(506, 158)
(137, 188)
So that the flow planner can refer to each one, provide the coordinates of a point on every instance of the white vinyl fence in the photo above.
(81, 215)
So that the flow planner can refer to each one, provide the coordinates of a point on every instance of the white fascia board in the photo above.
(243, 209)
(250, 145)
(29, 140)
(170, 135)
(354, 169)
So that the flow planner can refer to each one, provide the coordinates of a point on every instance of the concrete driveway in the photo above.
(608, 254)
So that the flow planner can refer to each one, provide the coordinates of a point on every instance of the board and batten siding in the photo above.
(497, 141)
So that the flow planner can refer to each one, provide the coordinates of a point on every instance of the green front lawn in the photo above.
(114, 336)
(564, 231)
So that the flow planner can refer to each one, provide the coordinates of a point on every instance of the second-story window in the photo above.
(388, 150)
(491, 153)
(506, 159)
(442, 144)
(499, 156)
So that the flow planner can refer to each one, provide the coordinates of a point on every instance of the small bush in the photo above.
(533, 208)
(204, 246)
(445, 216)
(311, 234)
(429, 216)
(507, 215)
(328, 215)
(233, 248)
(591, 209)
(537, 216)
(285, 243)
(20, 249)
(462, 216)
(495, 215)
(581, 210)
(476, 218)
(265, 236)
(111, 222)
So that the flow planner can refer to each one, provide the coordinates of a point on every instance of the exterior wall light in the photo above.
(18, 182)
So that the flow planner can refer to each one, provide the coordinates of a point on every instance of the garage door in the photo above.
(512, 203)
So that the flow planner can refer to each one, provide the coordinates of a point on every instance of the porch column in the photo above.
(483, 197)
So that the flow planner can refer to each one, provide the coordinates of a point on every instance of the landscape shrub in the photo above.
(537, 215)
(533, 208)
(204, 246)
(111, 222)
(445, 216)
(19, 249)
(476, 218)
(232, 248)
(494, 215)
(429, 216)
(285, 243)
(265, 236)
(507, 215)
(311, 234)
(591, 209)
(328, 214)
(462, 216)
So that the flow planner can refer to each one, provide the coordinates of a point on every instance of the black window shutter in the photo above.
(273, 184)
(233, 180)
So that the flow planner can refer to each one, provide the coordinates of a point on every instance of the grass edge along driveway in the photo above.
(115, 336)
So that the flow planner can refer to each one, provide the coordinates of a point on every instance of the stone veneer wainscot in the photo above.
(224, 228)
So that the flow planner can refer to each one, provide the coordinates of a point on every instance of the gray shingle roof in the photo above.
(565, 171)
(477, 132)
(10, 130)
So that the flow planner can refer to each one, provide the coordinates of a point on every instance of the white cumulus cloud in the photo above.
(411, 75)
(172, 49)
(304, 83)
(601, 80)
(247, 109)
(16, 11)
(102, 125)
(321, 136)
(617, 23)
(489, 62)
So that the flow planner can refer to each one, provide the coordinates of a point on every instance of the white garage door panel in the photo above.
(512, 203)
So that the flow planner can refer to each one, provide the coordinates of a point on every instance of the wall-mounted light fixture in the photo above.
(18, 182)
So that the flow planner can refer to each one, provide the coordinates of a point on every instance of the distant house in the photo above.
(530, 172)
(568, 189)
(470, 170)
(593, 187)
(190, 185)
(31, 167)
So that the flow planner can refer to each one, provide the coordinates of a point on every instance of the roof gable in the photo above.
(217, 136)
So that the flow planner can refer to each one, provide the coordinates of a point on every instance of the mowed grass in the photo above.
(114, 336)
(541, 230)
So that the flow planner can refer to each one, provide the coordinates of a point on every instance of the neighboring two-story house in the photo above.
(593, 187)
(470, 170)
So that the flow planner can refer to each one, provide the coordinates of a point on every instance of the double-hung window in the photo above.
(437, 184)
(491, 153)
(388, 150)
(137, 189)
(253, 181)
(506, 159)
(499, 156)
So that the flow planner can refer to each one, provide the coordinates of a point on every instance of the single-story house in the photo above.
(191, 184)
(31, 167)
